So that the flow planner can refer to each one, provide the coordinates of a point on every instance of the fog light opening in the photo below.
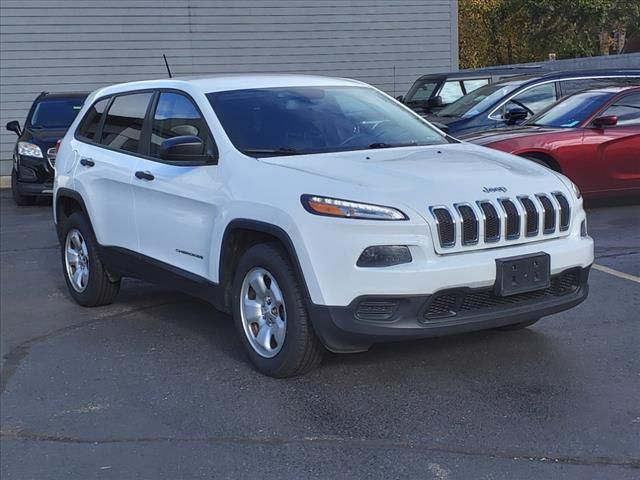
(384, 256)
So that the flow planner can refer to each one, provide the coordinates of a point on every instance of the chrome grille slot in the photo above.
(565, 210)
(446, 226)
(469, 224)
(549, 214)
(491, 222)
(531, 216)
(512, 228)
(502, 221)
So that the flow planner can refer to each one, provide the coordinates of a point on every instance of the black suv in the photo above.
(34, 155)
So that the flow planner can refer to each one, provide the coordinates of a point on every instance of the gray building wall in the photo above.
(80, 45)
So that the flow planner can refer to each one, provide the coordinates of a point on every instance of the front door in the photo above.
(177, 202)
(616, 149)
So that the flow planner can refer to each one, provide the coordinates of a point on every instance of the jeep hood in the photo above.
(427, 175)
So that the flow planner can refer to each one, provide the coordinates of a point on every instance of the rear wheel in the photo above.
(270, 314)
(518, 326)
(18, 198)
(87, 279)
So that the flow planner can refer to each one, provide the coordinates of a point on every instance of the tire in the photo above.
(292, 346)
(18, 198)
(95, 288)
(518, 326)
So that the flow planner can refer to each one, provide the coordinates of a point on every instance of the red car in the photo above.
(593, 137)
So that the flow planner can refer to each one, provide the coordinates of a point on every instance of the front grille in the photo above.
(513, 219)
(377, 310)
(532, 216)
(51, 156)
(502, 220)
(461, 302)
(491, 222)
(446, 227)
(565, 210)
(469, 224)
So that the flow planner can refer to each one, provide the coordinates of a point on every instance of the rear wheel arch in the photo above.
(242, 234)
(67, 202)
(543, 159)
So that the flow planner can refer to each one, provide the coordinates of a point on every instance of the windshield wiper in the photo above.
(393, 145)
(271, 151)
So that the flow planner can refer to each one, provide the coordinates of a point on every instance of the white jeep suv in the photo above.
(320, 212)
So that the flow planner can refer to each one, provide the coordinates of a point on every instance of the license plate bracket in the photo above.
(523, 273)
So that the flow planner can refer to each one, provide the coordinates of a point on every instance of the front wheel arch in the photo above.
(239, 236)
(542, 159)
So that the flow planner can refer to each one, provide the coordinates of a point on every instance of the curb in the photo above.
(5, 181)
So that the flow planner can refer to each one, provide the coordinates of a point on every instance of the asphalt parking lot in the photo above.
(156, 386)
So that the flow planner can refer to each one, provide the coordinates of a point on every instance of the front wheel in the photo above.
(270, 314)
(86, 277)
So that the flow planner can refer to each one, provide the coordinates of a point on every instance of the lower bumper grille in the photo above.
(457, 303)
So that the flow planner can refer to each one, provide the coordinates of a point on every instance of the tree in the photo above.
(494, 32)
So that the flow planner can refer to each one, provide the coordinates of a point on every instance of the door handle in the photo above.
(87, 162)
(146, 175)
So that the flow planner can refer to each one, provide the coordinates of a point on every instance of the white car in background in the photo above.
(320, 212)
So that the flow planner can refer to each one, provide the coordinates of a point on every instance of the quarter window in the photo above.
(91, 121)
(627, 109)
(176, 116)
(123, 126)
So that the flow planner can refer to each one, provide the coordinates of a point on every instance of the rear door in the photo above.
(109, 138)
(177, 202)
(616, 148)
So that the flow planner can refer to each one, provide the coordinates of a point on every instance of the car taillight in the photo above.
(58, 144)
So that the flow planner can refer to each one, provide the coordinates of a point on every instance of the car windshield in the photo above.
(300, 120)
(421, 91)
(571, 111)
(57, 113)
(477, 101)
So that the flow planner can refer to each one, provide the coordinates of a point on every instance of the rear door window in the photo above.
(91, 121)
(123, 125)
(451, 91)
(471, 85)
(534, 99)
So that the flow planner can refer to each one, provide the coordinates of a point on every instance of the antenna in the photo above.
(394, 80)
(167, 64)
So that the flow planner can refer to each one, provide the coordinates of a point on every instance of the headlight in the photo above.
(334, 207)
(576, 190)
(29, 150)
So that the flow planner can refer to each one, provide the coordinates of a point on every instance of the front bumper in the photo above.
(378, 319)
(35, 189)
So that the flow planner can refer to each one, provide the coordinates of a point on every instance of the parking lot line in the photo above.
(616, 273)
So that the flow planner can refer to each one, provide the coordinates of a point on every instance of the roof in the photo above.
(63, 95)
(216, 83)
(478, 72)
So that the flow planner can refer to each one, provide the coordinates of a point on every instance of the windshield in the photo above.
(571, 111)
(477, 101)
(57, 113)
(300, 120)
(421, 91)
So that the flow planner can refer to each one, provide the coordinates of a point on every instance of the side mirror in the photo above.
(515, 115)
(605, 121)
(14, 126)
(186, 148)
(434, 101)
(400, 98)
